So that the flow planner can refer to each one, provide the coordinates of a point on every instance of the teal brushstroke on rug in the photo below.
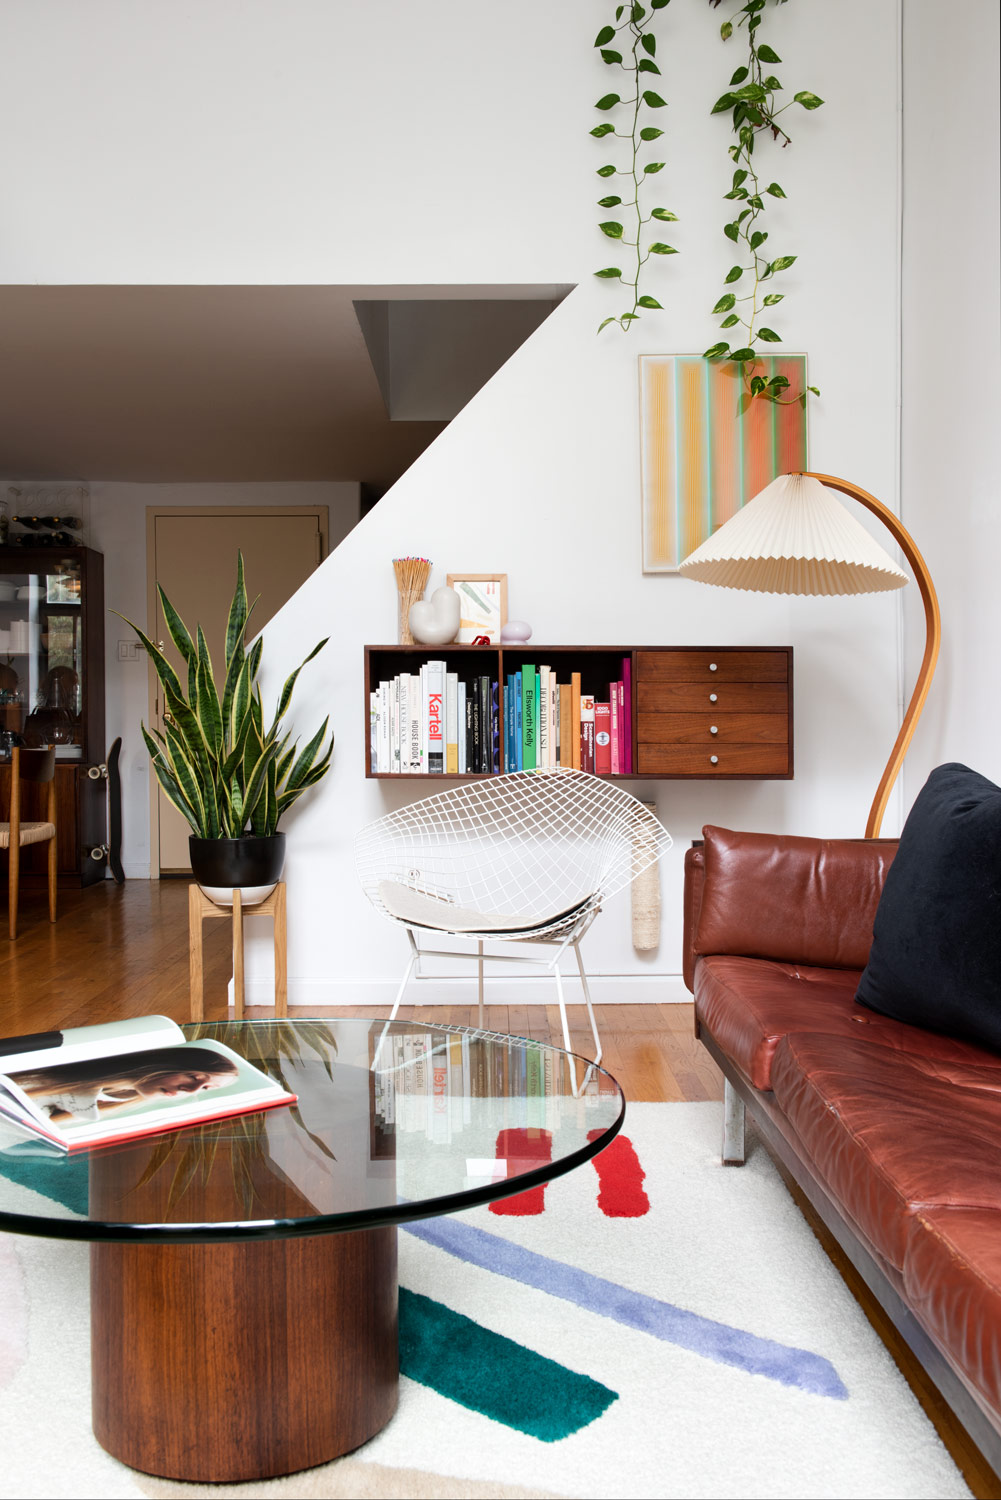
(493, 1375)
(65, 1180)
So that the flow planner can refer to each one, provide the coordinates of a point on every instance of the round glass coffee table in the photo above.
(243, 1273)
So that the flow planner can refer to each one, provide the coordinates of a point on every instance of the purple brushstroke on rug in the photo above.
(703, 1336)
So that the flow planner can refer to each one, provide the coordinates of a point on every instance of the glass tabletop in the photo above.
(393, 1122)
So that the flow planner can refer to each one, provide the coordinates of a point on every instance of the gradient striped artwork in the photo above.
(702, 459)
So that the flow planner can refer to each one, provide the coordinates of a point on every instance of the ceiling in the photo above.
(223, 383)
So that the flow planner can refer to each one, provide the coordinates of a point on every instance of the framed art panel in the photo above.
(483, 605)
(706, 450)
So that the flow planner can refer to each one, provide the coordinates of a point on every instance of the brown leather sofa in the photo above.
(892, 1132)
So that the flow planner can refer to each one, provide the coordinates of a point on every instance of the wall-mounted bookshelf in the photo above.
(684, 712)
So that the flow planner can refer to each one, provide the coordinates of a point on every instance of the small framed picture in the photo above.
(483, 600)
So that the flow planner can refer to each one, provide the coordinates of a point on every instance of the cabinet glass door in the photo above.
(42, 657)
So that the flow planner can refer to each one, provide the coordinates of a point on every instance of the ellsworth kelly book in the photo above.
(96, 1084)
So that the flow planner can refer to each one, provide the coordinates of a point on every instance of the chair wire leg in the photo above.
(479, 965)
(414, 959)
(587, 1001)
(566, 1030)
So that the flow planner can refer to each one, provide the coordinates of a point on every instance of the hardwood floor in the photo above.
(123, 951)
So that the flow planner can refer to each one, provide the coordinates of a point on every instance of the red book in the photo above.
(627, 715)
(614, 693)
(602, 739)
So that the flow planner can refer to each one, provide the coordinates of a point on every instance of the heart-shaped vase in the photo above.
(435, 621)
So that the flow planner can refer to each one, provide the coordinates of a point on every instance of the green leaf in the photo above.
(738, 177)
(736, 193)
(813, 388)
(611, 202)
(654, 166)
(290, 682)
(726, 30)
(608, 101)
(650, 133)
(768, 54)
(730, 322)
(738, 77)
(604, 36)
(646, 65)
(170, 787)
(758, 238)
(757, 385)
(731, 231)
(657, 248)
(664, 215)
(208, 707)
(637, 13)
(176, 628)
(769, 336)
(734, 274)
(783, 263)
(772, 298)
(808, 100)
(658, 4)
(772, 84)
(752, 93)
(755, 203)
(779, 382)
(775, 190)
(654, 100)
(239, 613)
(608, 56)
(600, 130)
(743, 355)
(609, 272)
(608, 171)
(304, 764)
(650, 302)
(724, 102)
(649, 43)
(604, 323)
(745, 403)
(612, 229)
(168, 677)
(725, 303)
(717, 351)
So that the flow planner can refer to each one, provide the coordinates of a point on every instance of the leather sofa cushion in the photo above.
(749, 1004)
(808, 901)
(952, 1277)
(893, 1133)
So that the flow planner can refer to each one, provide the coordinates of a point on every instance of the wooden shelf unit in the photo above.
(698, 712)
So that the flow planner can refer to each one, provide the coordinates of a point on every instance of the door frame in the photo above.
(153, 512)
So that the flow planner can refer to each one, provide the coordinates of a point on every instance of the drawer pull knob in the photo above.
(713, 697)
(713, 729)
(714, 760)
(712, 666)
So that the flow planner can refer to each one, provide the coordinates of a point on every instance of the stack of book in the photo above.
(430, 723)
(551, 723)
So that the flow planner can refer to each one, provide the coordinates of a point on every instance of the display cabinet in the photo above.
(52, 692)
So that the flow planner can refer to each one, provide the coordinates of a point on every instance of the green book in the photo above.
(529, 716)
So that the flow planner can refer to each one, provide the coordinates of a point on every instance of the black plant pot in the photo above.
(237, 862)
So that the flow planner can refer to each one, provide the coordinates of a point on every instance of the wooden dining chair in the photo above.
(29, 766)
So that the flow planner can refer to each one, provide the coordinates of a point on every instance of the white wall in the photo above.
(118, 529)
(951, 470)
(453, 147)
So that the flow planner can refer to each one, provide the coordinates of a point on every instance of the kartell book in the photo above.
(94, 1085)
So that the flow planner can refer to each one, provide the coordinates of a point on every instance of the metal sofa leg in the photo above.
(733, 1126)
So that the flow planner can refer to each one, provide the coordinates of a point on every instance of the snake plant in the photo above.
(226, 773)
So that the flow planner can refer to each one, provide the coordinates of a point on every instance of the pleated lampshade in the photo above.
(795, 537)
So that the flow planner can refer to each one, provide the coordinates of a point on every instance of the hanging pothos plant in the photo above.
(636, 59)
(752, 100)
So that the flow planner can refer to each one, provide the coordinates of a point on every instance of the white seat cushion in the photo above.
(418, 910)
(31, 833)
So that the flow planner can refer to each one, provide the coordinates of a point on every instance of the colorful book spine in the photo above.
(436, 717)
(518, 726)
(542, 752)
(554, 720)
(460, 716)
(495, 727)
(529, 700)
(627, 712)
(510, 754)
(587, 733)
(451, 723)
(566, 719)
(404, 722)
(616, 729)
(602, 739)
(575, 719)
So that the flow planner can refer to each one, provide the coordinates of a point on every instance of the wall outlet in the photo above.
(128, 650)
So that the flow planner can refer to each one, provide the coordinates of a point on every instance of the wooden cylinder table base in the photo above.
(228, 1362)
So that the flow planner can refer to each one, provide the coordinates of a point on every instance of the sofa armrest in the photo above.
(695, 872)
(795, 900)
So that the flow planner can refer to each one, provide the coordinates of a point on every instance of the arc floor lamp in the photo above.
(795, 537)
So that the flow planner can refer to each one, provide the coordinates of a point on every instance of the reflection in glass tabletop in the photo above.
(393, 1122)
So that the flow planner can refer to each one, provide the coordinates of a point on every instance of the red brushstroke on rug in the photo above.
(620, 1179)
(523, 1150)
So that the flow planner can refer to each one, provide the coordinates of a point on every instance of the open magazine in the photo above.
(90, 1085)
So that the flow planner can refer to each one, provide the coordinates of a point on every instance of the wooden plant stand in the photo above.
(200, 907)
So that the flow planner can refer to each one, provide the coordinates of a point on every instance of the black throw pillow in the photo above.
(936, 950)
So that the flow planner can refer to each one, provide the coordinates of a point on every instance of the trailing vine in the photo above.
(640, 49)
(752, 98)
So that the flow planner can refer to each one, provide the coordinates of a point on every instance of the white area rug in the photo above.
(726, 1245)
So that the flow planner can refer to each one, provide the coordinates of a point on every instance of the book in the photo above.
(435, 677)
(587, 732)
(404, 716)
(414, 707)
(460, 726)
(554, 720)
(602, 739)
(519, 763)
(566, 719)
(542, 738)
(451, 722)
(528, 721)
(575, 719)
(616, 729)
(627, 714)
(495, 726)
(92, 1085)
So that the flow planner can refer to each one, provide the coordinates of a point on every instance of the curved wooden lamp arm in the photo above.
(933, 636)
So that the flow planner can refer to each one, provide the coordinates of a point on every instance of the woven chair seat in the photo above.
(31, 833)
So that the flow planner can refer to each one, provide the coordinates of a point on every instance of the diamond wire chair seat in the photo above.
(527, 857)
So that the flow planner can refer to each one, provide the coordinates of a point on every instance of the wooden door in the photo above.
(192, 555)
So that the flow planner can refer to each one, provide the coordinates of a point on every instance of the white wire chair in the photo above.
(528, 857)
